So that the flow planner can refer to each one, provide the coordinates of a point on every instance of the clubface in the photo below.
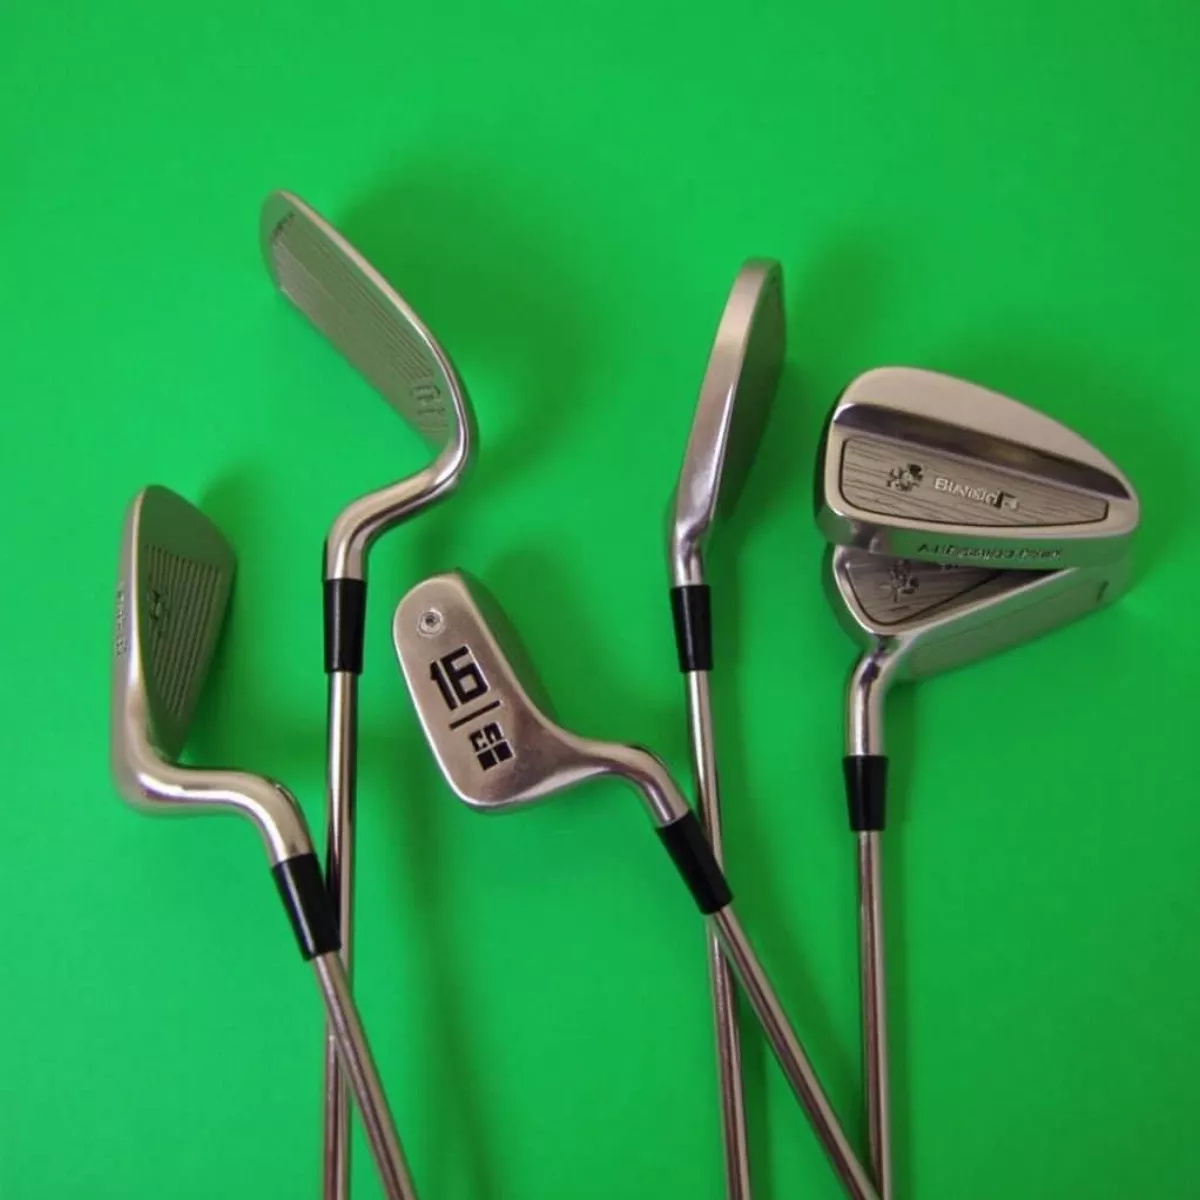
(362, 315)
(914, 619)
(924, 466)
(173, 590)
(495, 747)
(735, 397)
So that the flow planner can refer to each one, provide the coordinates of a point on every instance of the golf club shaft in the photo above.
(359, 1070)
(724, 996)
(790, 1055)
(339, 879)
(872, 982)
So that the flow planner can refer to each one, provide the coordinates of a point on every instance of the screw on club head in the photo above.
(430, 622)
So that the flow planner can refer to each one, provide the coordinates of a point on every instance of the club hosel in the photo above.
(364, 519)
(866, 691)
(163, 788)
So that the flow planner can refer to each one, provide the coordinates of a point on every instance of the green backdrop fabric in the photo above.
(1004, 192)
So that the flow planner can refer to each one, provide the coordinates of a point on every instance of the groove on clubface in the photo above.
(324, 284)
(182, 617)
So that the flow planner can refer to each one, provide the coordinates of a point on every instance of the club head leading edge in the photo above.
(919, 465)
(735, 397)
(913, 619)
(174, 580)
(381, 336)
(496, 748)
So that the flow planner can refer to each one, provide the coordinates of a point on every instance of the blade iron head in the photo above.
(739, 383)
(919, 465)
(362, 315)
(496, 748)
(174, 579)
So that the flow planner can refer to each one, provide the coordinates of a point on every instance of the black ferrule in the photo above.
(866, 791)
(689, 848)
(345, 618)
(302, 889)
(690, 606)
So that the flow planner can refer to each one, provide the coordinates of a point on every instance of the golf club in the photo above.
(924, 466)
(172, 591)
(381, 336)
(498, 750)
(735, 397)
(915, 619)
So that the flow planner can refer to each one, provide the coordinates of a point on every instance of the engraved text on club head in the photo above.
(462, 685)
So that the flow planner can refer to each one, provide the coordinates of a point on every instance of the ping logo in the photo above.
(910, 477)
(904, 479)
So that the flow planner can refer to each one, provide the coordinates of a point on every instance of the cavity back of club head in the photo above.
(362, 315)
(495, 746)
(735, 397)
(921, 465)
(924, 618)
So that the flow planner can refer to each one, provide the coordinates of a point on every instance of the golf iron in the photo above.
(735, 397)
(497, 750)
(924, 466)
(914, 619)
(381, 336)
(173, 587)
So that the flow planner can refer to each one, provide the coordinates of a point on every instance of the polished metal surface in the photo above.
(339, 878)
(358, 1066)
(920, 465)
(914, 619)
(734, 1139)
(495, 747)
(790, 1055)
(499, 752)
(735, 397)
(378, 332)
(172, 592)
(173, 586)
(873, 1002)
(739, 384)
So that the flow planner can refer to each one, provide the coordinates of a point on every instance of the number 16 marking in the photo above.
(458, 684)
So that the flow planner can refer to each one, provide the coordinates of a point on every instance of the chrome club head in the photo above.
(914, 619)
(497, 749)
(173, 589)
(364, 317)
(735, 397)
(924, 466)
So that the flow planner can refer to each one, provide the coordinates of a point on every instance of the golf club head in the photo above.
(173, 586)
(735, 398)
(923, 466)
(913, 619)
(380, 335)
(496, 748)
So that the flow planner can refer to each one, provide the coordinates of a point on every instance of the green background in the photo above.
(1005, 192)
